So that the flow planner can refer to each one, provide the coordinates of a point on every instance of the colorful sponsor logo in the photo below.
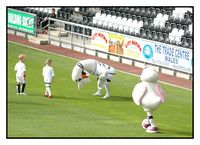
(132, 49)
(147, 51)
(101, 36)
(21, 21)
(134, 43)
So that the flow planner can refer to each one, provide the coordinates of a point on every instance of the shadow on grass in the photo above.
(68, 98)
(28, 103)
(119, 98)
(177, 133)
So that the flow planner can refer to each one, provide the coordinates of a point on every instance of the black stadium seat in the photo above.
(134, 17)
(148, 34)
(154, 35)
(112, 13)
(153, 13)
(145, 22)
(184, 42)
(137, 11)
(168, 27)
(142, 33)
(160, 37)
(142, 12)
(121, 9)
(68, 27)
(148, 13)
(166, 38)
(131, 11)
(126, 10)
(128, 16)
(59, 14)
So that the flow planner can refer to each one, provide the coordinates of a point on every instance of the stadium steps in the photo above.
(42, 39)
(39, 40)
(58, 33)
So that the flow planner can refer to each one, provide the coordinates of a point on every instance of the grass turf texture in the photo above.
(73, 113)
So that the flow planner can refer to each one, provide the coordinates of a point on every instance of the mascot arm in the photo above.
(138, 93)
(160, 93)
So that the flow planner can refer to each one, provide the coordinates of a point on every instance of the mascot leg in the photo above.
(98, 93)
(150, 125)
(101, 83)
(107, 91)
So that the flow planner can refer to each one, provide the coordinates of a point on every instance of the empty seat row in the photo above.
(141, 11)
(78, 29)
(165, 38)
(63, 15)
(120, 24)
(182, 17)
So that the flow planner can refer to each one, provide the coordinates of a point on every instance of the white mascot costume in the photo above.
(104, 73)
(149, 95)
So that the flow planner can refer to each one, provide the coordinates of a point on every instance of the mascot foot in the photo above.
(106, 96)
(152, 129)
(97, 94)
(145, 123)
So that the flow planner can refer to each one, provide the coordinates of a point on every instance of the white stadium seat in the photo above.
(111, 21)
(106, 21)
(133, 26)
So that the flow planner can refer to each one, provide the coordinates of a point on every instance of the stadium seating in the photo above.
(164, 24)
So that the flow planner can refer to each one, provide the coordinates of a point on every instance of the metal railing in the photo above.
(83, 41)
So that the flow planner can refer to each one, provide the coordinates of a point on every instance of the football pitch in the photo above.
(72, 113)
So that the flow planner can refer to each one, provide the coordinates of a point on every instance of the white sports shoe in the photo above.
(24, 94)
(106, 96)
(97, 94)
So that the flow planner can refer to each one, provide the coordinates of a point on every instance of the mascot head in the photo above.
(149, 74)
(76, 73)
(79, 76)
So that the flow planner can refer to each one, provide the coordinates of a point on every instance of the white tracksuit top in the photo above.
(48, 74)
(20, 68)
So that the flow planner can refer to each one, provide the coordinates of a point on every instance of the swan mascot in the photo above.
(149, 95)
(104, 73)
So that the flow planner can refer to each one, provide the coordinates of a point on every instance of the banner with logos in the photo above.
(174, 57)
(21, 21)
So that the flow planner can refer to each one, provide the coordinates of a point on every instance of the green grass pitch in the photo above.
(73, 113)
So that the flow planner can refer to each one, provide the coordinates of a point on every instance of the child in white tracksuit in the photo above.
(48, 74)
(20, 69)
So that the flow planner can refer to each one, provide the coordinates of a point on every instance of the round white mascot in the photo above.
(149, 95)
(104, 73)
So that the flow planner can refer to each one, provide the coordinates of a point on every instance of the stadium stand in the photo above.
(172, 25)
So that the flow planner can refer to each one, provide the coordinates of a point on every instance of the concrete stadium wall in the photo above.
(139, 64)
(124, 60)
